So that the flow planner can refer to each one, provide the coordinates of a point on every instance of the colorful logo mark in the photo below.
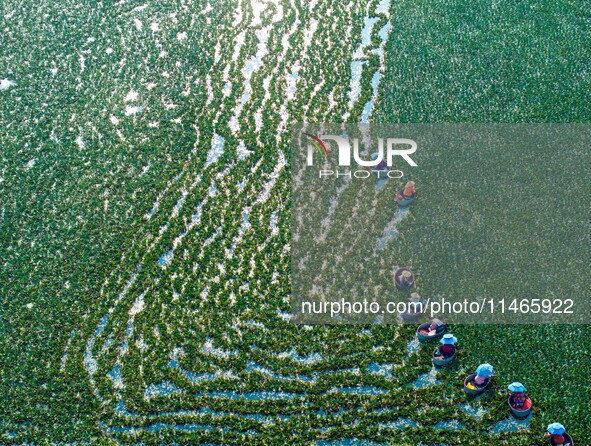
(317, 142)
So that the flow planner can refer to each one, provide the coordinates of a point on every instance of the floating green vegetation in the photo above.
(460, 62)
(144, 220)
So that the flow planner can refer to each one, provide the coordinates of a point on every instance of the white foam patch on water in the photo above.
(310, 359)
(381, 369)
(292, 79)
(368, 24)
(511, 425)
(363, 390)
(133, 109)
(398, 424)
(476, 412)
(238, 42)
(250, 66)
(217, 149)
(257, 8)
(450, 425)
(179, 204)
(207, 8)
(242, 150)
(285, 39)
(138, 306)
(273, 224)
(413, 345)
(196, 217)
(209, 89)
(358, 61)
(368, 107)
(258, 119)
(383, 7)
(425, 380)
(209, 349)
(65, 355)
(227, 89)
(255, 396)
(208, 242)
(131, 96)
(383, 34)
(217, 52)
(238, 14)
(141, 344)
(245, 225)
(165, 259)
(79, 142)
(123, 348)
(291, 84)
(254, 367)
(30, 164)
(5, 84)
(309, 34)
(265, 193)
(90, 362)
(355, 84)
(377, 77)
(117, 377)
(165, 388)
(155, 206)
(391, 230)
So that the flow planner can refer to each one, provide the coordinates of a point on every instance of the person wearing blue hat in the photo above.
(448, 348)
(557, 434)
(517, 395)
(483, 374)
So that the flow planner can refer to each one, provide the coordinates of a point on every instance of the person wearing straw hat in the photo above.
(403, 278)
(432, 329)
(556, 433)
(448, 348)
(409, 190)
(483, 374)
(407, 195)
